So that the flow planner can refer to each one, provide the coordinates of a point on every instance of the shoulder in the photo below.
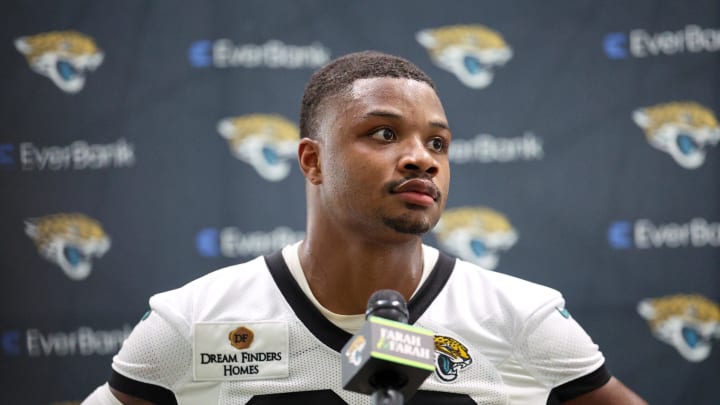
(204, 297)
(521, 297)
(477, 299)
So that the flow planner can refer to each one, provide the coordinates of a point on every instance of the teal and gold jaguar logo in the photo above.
(69, 240)
(451, 356)
(470, 52)
(683, 130)
(354, 351)
(62, 56)
(267, 142)
(687, 322)
(475, 234)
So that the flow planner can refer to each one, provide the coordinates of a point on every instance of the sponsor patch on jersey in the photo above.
(232, 351)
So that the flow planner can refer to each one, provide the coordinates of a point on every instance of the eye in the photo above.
(384, 134)
(437, 144)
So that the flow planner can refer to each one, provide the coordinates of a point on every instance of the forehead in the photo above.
(398, 92)
(411, 101)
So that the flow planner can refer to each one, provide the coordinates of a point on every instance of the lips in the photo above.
(421, 186)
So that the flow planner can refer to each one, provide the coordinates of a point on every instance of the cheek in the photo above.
(341, 174)
(442, 180)
(355, 164)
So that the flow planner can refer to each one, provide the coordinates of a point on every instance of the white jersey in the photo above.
(249, 334)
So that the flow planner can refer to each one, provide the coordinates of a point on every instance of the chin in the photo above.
(408, 226)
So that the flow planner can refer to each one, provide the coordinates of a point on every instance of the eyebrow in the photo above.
(392, 115)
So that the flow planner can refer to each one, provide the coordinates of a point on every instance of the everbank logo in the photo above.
(485, 148)
(83, 341)
(645, 234)
(79, 155)
(639, 43)
(231, 242)
(224, 53)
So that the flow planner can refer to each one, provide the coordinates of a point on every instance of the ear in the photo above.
(309, 159)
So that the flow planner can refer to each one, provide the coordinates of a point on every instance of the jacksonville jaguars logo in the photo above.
(70, 241)
(354, 351)
(451, 356)
(475, 234)
(266, 142)
(687, 322)
(684, 130)
(470, 52)
(62, 56)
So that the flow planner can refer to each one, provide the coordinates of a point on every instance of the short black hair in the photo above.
(339, 74)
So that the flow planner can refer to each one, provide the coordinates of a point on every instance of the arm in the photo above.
(612, 393)
(105, 395)
(146, 366)
(558, 349)
(126, 399)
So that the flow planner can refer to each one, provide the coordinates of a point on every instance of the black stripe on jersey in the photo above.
(149, 392)
(306, 312)
(324, 397)
(579, 386)
(431, 288)
(325, 330)
(328, 397)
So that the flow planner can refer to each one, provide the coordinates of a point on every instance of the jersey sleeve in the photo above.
(557, 351)
(153, 360)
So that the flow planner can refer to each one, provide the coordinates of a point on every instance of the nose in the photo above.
(416, 158)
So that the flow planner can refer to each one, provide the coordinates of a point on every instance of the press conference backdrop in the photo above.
(146, 143)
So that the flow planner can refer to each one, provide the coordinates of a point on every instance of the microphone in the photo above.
(388, 358)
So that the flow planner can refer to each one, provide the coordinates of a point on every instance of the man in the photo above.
(374, 152)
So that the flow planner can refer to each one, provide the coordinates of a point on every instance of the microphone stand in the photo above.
(387, 396)
(385, 383)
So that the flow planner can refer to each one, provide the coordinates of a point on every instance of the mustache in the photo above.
(393, 185)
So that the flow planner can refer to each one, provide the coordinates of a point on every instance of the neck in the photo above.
(343, 271)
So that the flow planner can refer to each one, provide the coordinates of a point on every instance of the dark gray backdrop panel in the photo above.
(560, 84)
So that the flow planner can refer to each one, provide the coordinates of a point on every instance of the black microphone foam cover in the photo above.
(388, 304)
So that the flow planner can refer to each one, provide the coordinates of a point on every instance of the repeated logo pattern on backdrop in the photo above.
(233, 242)
(470, 52)
(476, 234)
(644, 233)
(684, 130)
(62, 56)
(224, 53)
(266, 142)
(172, 202)
(486, 148)
(70, 241)
(78, 155)
(83, 341)
(689, 323)
(642, 43)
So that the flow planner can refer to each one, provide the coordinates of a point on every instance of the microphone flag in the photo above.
(388, 353)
